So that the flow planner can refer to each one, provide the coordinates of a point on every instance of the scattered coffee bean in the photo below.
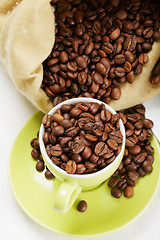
(128, 191)
(82, 206)
(40, 166)
(49, 175)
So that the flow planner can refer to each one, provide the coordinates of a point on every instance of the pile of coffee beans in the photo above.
(138, 155)
(155, 77)
(98, 46)
(82, 138)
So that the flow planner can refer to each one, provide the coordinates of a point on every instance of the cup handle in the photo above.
(66, 196)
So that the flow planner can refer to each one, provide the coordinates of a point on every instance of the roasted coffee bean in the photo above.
(127, 66)
(116, 192)
(71, 167)
(112, 144)
(115, 93)
(147, 166)
(128, 191)
(113, 181)
(81, 62)
(80, 168)
(119, 59)
(66, 123)
(130, 43)
(115, 34)
(135, 150)
(49, 175)
(101, 148)
(143, 58)
(46, 137)
(57, 117)
(58, 131)
(133, 175)
(147, 123)
(98, 78)
(77, 145)
(100, 68)
(129, 56)
(35, 153)
(40, 166)
(91, 138)
(56, 151)
(82, 206)
(87, 152)
(120, 72)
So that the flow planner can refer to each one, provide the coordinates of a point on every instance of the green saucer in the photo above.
(104, 214)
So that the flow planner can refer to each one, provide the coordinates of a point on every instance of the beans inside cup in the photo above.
(82, 138)
(99, 45)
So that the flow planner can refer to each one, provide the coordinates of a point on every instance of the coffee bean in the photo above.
(127, 66)
(147, 166)
(133, 175)
(115, 34)
(116, 192)
(80, 168)
(87, 152)
(128, 191)
(121, 14)
(129, 56)
(115, 93)
(147, 123)
(57, 117)
(40, 166)
(119, 59)
(100, 68)
(77, 145)
(113, 181)
(91, 138)
(63, 57)
(130, 43)
(35, 153)
(70, 167)
(49, 175)
(98, 78)
(112, 144)
(101, 148)
(56, 151)
(148, 32)
(94, 108)
(135, 150)
(82, 206)
(130, 77)
(58, 131)
(75, 112)
(120, 72)
(81, 62)
(143, 58)
(66, 123)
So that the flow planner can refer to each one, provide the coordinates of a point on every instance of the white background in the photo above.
(14, 223)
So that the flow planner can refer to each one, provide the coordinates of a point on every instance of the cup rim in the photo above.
(80, 176)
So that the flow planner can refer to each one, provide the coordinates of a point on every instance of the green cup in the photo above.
(73, 184)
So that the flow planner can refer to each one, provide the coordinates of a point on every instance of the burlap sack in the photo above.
(26, 39)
